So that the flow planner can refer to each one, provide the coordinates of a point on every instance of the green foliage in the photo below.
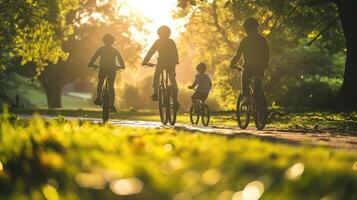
(215, 30)
(34, 30)
(79, 160)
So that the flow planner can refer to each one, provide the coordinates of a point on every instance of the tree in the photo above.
(347, 96)
(34, 31)
(287, 24)
(89, 22)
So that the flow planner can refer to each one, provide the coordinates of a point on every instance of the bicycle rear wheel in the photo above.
(163, 105)
(261, 111)
(243, 110)
(172, 109)
(205, 115)
(105, 106)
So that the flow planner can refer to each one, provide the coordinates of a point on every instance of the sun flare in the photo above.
(157, 13)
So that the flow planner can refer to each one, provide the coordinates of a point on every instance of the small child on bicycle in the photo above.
(255, 50)
(168, 59)
(202, 84)
(109, 56)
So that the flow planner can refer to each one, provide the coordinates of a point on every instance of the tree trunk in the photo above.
(53, 94)
(346, 99)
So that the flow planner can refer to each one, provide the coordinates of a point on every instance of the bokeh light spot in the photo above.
(211, 177)
(90, 180)
(127, 186)
(50, 192)
(354, 166)
(295, 171)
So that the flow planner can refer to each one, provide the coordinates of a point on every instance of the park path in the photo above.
(288, 137)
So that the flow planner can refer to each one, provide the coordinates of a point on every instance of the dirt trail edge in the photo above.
(292, 138)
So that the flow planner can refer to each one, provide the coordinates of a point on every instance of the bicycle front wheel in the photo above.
(243, 110)
(261, 111)
(105, 107)
(172, 109)
(205, 115)
(163, 105)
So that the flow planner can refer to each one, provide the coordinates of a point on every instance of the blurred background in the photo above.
(46, 47)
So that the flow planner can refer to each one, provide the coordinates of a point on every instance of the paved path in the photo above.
(293, 138)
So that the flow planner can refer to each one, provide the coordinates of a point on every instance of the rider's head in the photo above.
(201, 67)
(251, 25)
(108, 39)
(164, 32)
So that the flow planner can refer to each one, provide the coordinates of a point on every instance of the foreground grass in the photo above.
(284, 120)
(78, 160)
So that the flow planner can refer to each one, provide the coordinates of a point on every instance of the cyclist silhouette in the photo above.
(202, 83)
(107, 67)
(168, 59)
(255, 50)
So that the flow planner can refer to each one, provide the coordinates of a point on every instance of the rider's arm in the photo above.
(120, 59)
(151, 52)
(210, 83)
(176, 54)
(94, 58)
(195, 83)
(239, 53)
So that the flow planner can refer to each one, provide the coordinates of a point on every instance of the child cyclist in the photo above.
(107, 67)
(202, 84)
(168, 59)
(255, 50)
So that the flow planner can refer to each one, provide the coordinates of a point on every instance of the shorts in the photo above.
(199, 95)
(107, 73)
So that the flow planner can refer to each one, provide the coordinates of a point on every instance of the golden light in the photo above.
(157, 13)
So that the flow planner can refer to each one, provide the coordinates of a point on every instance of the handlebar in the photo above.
(239, 69)
(149, 65)
(95, 67)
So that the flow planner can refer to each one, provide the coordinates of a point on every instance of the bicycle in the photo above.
(106, 97)
(166, 98)
(197, 110)
(253, 104)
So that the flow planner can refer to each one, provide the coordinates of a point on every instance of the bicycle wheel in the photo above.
(194, 115)
(243, 110)
(172, 110)
(163, 105)
(105, 106)
(205, 114)
(261, 111)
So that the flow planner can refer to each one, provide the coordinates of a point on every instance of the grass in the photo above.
(283, 120)
(61, 159)
(37, 99)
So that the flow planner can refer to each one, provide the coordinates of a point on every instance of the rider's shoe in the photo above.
(154, 97)
(98, 101)
(113, 109)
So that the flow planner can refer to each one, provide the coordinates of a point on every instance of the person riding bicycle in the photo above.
(168, 59)
(202, 84)
(255, 50)
(109, 55)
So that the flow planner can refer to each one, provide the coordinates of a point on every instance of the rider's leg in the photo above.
(111, 81)
(101, 78)
(172, 76)
(245, 83)
(155, 83)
